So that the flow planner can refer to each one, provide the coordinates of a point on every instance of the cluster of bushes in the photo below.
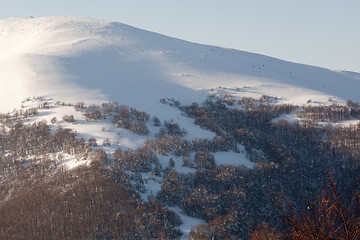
(30, 147)
(172, 129)
(131, 119)
(68, 118)
(333, 113)
(139, 160)
(8, 119)
(165, 144)
(330, 113)
(123, 116)
(249, 111)
(128, 118)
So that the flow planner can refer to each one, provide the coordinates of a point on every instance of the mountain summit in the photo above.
(78, 59)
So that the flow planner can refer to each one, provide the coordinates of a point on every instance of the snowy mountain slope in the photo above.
(94, 61)
(75, 59)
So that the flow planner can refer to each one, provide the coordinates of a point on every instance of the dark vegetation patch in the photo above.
(39, 198)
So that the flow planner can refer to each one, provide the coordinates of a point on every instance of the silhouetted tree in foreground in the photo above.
(328, 216)
(264, 232)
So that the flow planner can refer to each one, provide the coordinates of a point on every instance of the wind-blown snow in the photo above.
(77, 59)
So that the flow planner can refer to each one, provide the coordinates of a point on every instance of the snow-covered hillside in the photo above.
(57, 62)
(76, 59)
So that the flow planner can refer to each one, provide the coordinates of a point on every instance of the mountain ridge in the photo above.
(81, 59)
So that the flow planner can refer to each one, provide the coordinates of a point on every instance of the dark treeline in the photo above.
(333, 112)
(81, 204)
(290, 158)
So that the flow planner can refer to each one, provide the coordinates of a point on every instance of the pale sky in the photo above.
(323, 33)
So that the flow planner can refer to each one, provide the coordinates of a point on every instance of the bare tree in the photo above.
(326, 217)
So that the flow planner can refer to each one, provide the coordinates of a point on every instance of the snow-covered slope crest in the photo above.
(77, 59)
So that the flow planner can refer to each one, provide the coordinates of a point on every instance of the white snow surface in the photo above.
(232, 158)
(77, 59)
(188, 222)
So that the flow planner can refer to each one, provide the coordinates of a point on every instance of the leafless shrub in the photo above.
(68, 118)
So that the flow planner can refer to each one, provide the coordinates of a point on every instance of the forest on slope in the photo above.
(41, 198)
